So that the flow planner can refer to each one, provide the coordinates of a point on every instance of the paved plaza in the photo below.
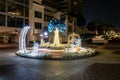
(103, 66)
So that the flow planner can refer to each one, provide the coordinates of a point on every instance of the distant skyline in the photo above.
(107, 11)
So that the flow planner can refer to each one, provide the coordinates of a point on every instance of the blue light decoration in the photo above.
(55, 23)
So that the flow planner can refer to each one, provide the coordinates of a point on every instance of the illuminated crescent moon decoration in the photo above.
(22, 38)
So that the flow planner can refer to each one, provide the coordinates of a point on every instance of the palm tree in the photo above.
(94, 26)
(104, 27)
(97, 24)
(111, 28)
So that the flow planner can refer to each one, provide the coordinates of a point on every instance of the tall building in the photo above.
(66, 6)
(15, 14)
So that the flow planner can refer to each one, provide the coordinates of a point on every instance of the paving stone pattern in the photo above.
(13, 72)
(99, 71)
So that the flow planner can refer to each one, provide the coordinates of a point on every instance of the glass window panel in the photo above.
(11, 21)
(2, 20)
(15, 9)
(26, 22)
(38, 14)
(2, 5)
(27, 2)
(70, 19)
(21, 1)
(19, 22)
(38, 25)
(70, 29)
(26, 12)
(47, 18)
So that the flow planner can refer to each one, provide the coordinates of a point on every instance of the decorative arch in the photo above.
(22, 38)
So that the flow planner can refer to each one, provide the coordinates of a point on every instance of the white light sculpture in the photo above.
(35, 49)
(22, 39)
(56, 37)
(78, 42)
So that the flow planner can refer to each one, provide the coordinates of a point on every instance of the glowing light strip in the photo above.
(56, 37)
(22, 38)
(35, 49)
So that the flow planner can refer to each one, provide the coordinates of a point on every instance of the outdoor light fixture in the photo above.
(45, 33)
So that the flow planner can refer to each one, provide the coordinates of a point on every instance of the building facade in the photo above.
(15, 14)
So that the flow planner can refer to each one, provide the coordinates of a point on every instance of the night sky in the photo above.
(106, 11)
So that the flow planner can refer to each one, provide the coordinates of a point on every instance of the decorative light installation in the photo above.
(54, 50)
(56, 38)
(56, 26)
(22, 39)
(78, 42)
(35, 49)
(72, 38)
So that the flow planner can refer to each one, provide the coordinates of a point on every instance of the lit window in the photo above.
(15, 9)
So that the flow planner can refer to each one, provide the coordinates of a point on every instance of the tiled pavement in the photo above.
(99, 71)
(105, 66)
(14, 72)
